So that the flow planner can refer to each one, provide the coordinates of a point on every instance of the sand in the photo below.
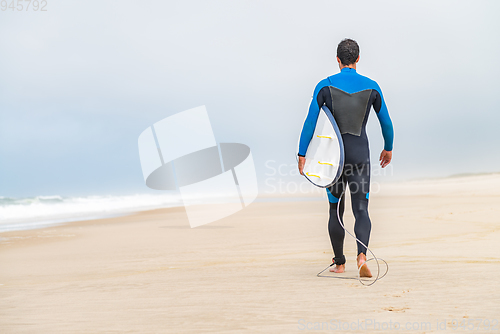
(256, 271)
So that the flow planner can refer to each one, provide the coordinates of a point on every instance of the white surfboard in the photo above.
(325, 154)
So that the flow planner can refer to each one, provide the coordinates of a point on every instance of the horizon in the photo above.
(313, 193)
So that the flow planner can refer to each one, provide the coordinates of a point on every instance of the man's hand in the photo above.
(302, 162)
(385, 158)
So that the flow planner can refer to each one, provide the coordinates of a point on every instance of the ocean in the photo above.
(42, 211)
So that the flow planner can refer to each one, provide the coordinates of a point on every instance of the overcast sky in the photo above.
(81, 81)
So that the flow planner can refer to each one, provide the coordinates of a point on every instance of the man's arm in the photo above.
(311, 119)
(310, 122)
(386, 126)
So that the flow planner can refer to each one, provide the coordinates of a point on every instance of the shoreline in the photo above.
(422, 186)
(41, 224)
(457, 185)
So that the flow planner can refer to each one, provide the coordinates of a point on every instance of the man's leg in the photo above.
(335, 230)
(359, 186)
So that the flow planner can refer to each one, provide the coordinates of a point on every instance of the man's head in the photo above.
(348, 53)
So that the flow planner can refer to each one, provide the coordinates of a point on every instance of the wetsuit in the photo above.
(350, 96)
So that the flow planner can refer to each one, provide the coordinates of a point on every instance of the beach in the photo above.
(255, 271)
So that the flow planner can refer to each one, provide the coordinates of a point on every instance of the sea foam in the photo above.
(41, 211)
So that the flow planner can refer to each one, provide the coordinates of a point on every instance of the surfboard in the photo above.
(325, 154)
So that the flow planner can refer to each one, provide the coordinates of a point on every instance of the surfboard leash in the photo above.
(362, 280)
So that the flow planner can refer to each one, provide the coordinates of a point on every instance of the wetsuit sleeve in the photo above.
(384, 119)
(312, 117)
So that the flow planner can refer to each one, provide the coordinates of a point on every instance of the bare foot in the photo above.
(364, 271)
(339, 268)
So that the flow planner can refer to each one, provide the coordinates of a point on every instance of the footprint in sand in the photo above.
(396, 309)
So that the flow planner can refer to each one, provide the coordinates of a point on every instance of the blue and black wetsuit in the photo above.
(350, 96)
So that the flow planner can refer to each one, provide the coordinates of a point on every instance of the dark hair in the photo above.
(348, 51)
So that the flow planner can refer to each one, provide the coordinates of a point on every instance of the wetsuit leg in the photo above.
(358, 179)
(337, 233)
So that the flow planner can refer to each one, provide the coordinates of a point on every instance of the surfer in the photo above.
(350, 97)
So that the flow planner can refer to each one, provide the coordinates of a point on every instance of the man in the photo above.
(350, 97)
